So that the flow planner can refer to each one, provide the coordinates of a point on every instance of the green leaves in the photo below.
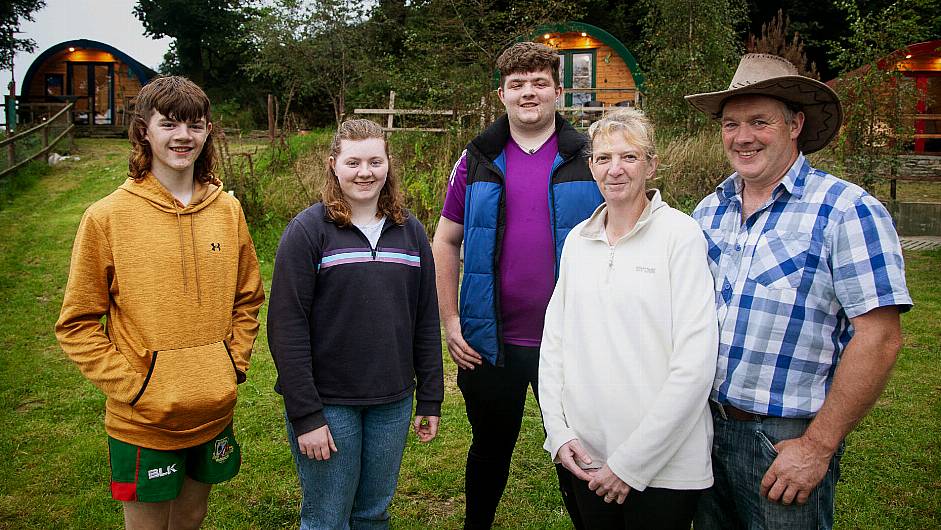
(11, 12)
(691, 46)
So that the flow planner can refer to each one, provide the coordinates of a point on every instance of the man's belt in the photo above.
(728, 412)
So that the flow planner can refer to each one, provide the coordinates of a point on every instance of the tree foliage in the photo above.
(450, 48)
(877, 98)
(691, 46)
(12, 12)
(774, 40)
(324, 57)
(311, 49)
(211, 45)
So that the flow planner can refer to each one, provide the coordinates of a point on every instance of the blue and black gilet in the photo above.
(573, 196)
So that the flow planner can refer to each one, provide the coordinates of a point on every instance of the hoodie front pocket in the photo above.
(188, 388)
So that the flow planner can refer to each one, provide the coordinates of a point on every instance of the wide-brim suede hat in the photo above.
(773, 76)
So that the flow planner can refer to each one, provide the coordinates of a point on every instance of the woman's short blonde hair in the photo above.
(632, 123)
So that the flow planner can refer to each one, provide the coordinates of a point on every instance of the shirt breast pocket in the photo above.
(779, 259)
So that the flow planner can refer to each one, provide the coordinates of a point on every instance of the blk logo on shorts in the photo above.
(215, 247)
(161, 472)
(222, 450)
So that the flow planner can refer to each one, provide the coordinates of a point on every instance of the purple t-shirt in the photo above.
(527, 257)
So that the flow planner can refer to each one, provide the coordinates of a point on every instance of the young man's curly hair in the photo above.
(524, 57)
(177, 98)
(391, 200)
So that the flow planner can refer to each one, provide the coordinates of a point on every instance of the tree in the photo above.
(451, 47)
(876, 97)
(691, 46)
(209, 41)
(11, 13)
(312, 49)
(774, 40)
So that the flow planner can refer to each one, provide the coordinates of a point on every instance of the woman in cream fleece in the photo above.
(629, 348)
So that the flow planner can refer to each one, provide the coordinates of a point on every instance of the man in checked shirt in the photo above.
(809, 284)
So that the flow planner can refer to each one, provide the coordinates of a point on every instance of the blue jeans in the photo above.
(353, 489)
(742, 452)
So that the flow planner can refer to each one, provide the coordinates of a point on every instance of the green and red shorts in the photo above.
(150, 475)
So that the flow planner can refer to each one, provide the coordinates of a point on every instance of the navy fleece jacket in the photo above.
(353, 325)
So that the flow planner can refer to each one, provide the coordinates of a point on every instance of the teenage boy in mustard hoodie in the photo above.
(168, 261)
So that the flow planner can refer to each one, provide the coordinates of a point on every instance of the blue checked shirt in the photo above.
(820, 252)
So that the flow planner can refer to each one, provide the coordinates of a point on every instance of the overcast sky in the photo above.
(109, 21)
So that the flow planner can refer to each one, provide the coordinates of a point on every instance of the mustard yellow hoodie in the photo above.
(181, 290)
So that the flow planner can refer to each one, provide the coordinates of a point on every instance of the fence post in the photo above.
(11, 154)
(271, 117)
(391, 107)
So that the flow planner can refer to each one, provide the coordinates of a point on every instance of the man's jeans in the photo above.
(741, 453)
(353, 489)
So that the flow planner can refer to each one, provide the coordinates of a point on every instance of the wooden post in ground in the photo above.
(892, 183)
(45, 138)
(391, 107)
(271, 117)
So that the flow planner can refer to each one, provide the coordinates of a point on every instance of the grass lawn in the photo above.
(54, 471)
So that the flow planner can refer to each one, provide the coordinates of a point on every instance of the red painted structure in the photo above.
(922, 63)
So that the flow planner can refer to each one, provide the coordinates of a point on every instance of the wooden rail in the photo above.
(914, 168)
(583, 115)
(47, 145)
(392, 112)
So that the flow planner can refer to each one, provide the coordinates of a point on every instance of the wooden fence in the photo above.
(19, 147)
(580, 116)
(392, 112)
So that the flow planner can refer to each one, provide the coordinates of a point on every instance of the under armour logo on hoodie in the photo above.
(215, 247)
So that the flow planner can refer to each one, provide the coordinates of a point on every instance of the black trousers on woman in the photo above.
(494, 398)
(653, 509)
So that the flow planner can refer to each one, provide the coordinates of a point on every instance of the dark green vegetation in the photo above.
(441, 53)
(12, 13)
(54, 473)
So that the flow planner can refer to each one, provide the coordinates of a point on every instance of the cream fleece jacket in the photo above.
(180, 290)
(629, 350)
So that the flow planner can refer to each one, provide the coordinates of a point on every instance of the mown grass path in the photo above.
(53, 463)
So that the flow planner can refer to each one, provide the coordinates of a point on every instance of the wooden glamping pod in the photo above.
(102, 81)
(922, 63)
(597, 69)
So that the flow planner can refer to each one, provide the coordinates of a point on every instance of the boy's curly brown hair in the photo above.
(524, 57)
(177, 98)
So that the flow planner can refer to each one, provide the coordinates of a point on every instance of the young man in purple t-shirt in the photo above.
(514, 194)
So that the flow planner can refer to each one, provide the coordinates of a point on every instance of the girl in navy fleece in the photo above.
(353, 329)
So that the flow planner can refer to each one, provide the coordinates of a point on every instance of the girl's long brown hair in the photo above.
(391, 201)
(177, 98)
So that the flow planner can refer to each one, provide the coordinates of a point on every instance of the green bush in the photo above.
(232, 115)
(276, 182)
(690, 168)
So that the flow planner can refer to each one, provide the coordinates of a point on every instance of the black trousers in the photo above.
(653, 508)
(495, 398)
